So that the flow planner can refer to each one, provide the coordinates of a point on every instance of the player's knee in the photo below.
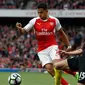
(49, 68)
(57, 66)
(61, 65)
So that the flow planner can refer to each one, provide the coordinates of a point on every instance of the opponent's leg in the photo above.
(64, 82)
(75, 74)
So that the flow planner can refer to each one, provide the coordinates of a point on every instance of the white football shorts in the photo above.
(49, 54)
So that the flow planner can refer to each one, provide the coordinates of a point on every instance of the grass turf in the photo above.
(29, 78)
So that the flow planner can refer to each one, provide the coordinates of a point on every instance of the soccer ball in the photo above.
(14, 79)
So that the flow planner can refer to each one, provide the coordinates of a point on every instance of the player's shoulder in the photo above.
(33, 20)
(52, 17)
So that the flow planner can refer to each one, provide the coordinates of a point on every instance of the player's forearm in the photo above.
(22, 31)
(19, 33)
(64, 38)
(79, 51)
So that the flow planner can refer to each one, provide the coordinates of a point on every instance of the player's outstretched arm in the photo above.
(27, 28)
(79, 51)
(20, 28)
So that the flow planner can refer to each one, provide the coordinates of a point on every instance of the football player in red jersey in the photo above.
(44, 28)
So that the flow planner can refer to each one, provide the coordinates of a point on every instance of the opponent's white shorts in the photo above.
(49, 54)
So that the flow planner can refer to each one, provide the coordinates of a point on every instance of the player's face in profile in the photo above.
(42, 13)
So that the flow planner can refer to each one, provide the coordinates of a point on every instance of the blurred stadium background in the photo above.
(20, 55)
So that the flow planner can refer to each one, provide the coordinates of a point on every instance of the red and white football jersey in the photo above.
(44, 31)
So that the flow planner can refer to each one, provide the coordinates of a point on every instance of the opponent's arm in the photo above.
(79, 51)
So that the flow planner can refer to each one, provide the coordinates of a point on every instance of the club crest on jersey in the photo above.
(51, 23)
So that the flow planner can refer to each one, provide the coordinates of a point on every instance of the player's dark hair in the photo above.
(42, 5)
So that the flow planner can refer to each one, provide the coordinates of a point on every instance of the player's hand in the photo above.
(62, 52)
(69, 48)
(18, 25)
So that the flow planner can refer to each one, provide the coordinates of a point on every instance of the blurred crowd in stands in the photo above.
(12, 4)
(17, 53)
(22, 52)
(52, 4)
(62, 4)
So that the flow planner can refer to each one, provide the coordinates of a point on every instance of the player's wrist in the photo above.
(69, 47)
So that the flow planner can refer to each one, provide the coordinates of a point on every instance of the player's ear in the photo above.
(47, 10)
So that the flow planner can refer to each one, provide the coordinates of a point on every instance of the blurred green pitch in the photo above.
(29, 78)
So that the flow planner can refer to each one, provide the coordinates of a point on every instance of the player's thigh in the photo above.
(44, 58)
(54, 52)
(81, 70)
(61, 65)
(73, 63)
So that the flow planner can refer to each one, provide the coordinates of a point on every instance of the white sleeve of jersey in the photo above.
(30, 25)
(58, 25)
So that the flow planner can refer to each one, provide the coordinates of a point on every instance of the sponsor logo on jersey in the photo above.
(44, 32)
